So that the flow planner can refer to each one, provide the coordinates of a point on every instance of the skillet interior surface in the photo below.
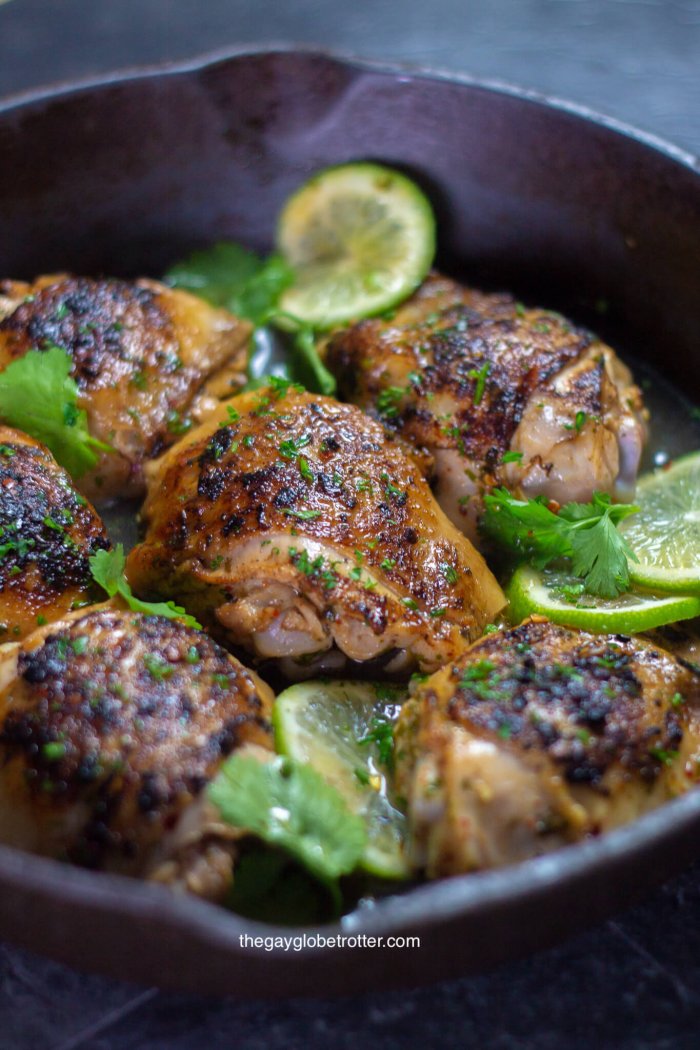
(563, 208)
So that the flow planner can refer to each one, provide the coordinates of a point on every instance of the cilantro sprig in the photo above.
(107, 568)
(250, 286)
(290, 806)
(39, 395)
(586, 533)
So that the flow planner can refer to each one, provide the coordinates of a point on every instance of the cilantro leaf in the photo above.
(250, 286)
(527, 527)
(600, 558)
(231, 276)
(584, 532)
(291, 806)
(38, 395)
(107, 568)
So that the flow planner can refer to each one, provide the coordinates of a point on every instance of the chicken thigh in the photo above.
(112, 723)
(47, 534)
(495, 394)
(142, 355)
(293, 525)
(540, 736)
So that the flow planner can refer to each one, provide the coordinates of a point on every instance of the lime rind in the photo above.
(360, 238)
(552, 594)
(665, 534)
(321, 724)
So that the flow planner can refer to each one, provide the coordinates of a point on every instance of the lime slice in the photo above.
(665, 534)
(360, 238)
(322, 724)
(561, 598)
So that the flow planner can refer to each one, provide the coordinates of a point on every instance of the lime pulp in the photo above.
(360, 238)
(324, 724)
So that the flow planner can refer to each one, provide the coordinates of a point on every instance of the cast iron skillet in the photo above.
(543, 198)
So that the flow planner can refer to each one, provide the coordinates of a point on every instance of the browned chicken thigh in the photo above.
(291, 524)
(112, 723)
(540, 736)
(47, 534)
(142, 355)
(495, 394)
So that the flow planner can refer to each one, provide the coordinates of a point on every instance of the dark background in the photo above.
(631, 983)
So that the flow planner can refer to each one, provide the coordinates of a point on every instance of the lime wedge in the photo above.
(665, 534)
(322, 724)
(561, 598)
(360, 238)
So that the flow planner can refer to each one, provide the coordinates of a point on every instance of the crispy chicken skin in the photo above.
(468, 377)
(111, 725)
(293, 525)
(142, 355)
(540, 736)
(47, 534)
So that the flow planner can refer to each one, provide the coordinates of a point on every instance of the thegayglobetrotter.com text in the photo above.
(296, 942)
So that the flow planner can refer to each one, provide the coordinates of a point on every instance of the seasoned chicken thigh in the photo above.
(112, 723)
(539, 736)
(47, 534)
(496, 394)
(142, 355)
(291, 523)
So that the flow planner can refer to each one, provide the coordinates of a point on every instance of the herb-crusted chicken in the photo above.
(495, 394)
(293, 526)
(112, 723)
(540, 736)
(47, 534)
(142, 355)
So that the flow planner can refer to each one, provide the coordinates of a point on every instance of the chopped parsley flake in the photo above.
(302, 515)
(479, 376)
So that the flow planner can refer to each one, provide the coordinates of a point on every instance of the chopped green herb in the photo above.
(381, 733)
(54, 751)
(388, 401)
(579, 422)
(157, 667)
(303, 515)
(291, 448)
(667, 758)
(479, 375)
(512, 457)
(178, 424)
(449, 572)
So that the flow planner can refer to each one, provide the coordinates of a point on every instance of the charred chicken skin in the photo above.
(47, 534)
(290, 523)
(540, 736)
(491, 393)
(142, 354)
(112, 723)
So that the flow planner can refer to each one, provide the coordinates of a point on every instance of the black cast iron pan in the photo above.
(561, 206)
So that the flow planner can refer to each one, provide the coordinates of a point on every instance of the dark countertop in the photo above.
(631, 983)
